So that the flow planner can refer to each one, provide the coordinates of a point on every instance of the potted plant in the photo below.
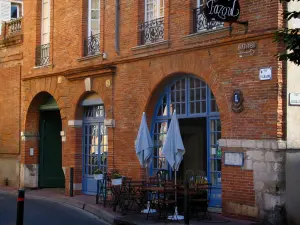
(98, 174)
(116, 177)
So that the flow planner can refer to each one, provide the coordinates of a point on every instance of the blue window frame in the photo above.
(192, 98)
(95, 146)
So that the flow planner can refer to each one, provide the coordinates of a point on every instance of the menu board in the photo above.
(234, 158)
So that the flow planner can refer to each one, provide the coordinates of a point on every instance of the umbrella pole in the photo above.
(176, 187)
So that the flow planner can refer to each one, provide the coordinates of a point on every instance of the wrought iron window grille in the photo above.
(151, 31)
(42, 55)
(201, 23)
(92, 45)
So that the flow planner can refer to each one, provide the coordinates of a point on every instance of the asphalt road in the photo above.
(43, 212)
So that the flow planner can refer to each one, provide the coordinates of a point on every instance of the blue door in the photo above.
(214, 161)
(192, 99)
(94, 147)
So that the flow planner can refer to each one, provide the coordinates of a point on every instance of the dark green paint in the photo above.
(50, 167)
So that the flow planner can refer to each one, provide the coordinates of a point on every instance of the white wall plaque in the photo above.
(294, 98)
(265, 73)
(31, 151)
(234, 158)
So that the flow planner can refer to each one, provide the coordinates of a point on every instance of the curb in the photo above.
(101, 214)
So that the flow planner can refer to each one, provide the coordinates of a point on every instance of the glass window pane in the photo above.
(197, 82)
(203, 106)
(95, 4)
(183, 96)
(192, 96)
(14, 12)
(197, 107)
(182, 108)
(177, 96)
(95, 15)
(197, 94)
(192, 81)
(173, 99)
(212, 139)
(192, 107)
(203, 93)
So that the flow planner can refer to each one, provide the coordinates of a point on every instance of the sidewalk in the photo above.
(88, 204)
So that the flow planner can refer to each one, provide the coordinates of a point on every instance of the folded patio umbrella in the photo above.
(144, 150)
(144, 144)
(174, 150)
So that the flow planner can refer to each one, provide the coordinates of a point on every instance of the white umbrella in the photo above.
(144, 144)
(173, 149)
(144, 151)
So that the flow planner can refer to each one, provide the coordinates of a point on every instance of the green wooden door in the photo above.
(50, 168)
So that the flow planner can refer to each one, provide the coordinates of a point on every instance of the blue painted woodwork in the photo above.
(192, 98)
(94, 144)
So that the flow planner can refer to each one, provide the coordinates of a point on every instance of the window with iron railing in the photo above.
(152, 30)
(92, 41)
(42, 55)
(200, 22)
(92, 45)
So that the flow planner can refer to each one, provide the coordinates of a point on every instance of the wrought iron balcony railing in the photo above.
(201, 24)
(92, 45)
(151, 31)
(42, 55)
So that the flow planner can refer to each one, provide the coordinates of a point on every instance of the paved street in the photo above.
(42, 212)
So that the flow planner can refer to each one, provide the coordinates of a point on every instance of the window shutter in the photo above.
(4, 12)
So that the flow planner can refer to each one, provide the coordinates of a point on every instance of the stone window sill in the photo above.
(153, 46)
(205, 36)
(89, 57)
(44, 66)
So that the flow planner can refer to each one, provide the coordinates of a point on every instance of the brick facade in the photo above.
(138, 75)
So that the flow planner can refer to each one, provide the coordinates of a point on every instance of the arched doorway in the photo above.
(94, 142)
(200, 127)
(51, 174)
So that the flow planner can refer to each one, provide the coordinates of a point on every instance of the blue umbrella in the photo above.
(173, 148)
(173, 151)
(144, 144)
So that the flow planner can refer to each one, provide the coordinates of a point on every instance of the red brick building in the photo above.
(86, 72)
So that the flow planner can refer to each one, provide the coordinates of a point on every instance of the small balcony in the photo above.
(200, 23)
(151, 31)
(42, 53)
(11, 32)
(92, 45)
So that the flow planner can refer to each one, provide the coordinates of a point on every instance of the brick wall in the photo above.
(142, 73)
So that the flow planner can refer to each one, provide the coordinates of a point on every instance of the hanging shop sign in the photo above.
(247, 49)
(233, 158)
(295, 99)
(237, 101)
(222, 10)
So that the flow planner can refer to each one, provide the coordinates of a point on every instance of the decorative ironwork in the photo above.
(92, 45)
(42, 55)
(151, 31)
(202, 24)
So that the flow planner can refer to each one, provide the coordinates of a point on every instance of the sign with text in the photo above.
(265, 73)
(295, 99)
(247, 49)
(234, 158)
(222, 10)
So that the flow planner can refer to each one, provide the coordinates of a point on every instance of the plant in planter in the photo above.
(116, 177)
(98, 174)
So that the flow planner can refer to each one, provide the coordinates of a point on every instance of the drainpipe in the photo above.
(117, 28)
(20, 124)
